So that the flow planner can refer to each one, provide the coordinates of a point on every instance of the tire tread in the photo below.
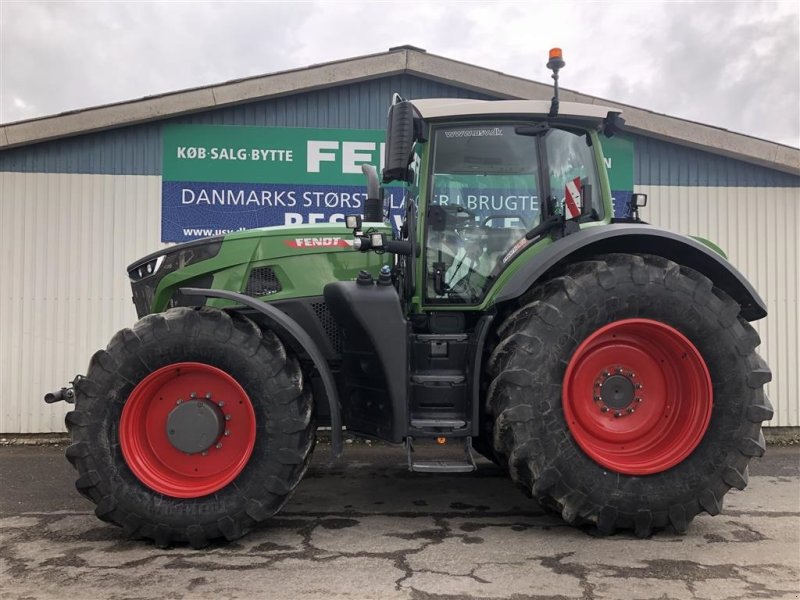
(534, 333)
(121, 363)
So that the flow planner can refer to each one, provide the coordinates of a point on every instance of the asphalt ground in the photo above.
(364, 527)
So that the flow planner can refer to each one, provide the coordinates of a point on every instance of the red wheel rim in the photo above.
(637, 396)
(147, 448)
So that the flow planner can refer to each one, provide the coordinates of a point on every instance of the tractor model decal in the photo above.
(318, 242)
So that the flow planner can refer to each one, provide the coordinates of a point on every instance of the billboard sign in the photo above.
(217, 179)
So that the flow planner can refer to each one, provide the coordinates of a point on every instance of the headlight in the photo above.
(175, 258)
(146, 273)
(146, 269)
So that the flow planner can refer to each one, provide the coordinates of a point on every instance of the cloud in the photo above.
(733, 65)
(68, 56)
(738, 69)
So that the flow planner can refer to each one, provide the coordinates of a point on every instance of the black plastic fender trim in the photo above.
(476, 366)
(638, 239)
(289, 327)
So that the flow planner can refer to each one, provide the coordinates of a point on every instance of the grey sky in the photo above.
(730, 64)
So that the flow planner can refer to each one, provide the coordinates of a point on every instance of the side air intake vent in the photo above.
(262, 282)
(329, 325)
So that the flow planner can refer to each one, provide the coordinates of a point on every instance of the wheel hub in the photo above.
(617, 392)
(195, 426)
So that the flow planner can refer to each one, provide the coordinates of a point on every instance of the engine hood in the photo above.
(296, 260)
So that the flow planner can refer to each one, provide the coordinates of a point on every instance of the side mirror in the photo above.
(613, 124)
(637, 202)
(404, 127)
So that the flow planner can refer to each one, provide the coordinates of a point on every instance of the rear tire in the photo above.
(583, 470)
(275, 438)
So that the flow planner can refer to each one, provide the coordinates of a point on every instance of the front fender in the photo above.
(288, 327)
(637, 239)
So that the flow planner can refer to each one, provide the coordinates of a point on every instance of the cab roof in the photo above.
(436, 108)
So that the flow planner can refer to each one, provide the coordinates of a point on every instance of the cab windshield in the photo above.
(485, 195)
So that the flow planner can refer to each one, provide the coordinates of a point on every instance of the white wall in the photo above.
(758, 229)
(65, 241)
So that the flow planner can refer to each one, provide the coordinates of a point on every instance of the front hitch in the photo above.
(67, 394)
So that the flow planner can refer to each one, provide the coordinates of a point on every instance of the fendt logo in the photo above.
(318, 242)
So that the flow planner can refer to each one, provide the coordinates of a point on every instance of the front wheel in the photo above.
(626, 393)
(192, 425)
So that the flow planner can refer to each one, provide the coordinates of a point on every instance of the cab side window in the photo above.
(572, 173)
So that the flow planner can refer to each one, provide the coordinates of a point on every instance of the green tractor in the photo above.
(607, 364)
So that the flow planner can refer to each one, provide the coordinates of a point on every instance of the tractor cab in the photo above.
(488, 184)
(485, 181)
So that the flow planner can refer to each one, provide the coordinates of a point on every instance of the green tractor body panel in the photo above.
(302, 259)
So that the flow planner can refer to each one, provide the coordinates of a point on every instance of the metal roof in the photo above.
(400, 60)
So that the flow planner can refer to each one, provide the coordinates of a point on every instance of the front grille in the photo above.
(262, 282)
(329, 325)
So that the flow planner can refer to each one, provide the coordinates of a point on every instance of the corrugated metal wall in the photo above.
(758, 228)
(65, 241)
(660, 163)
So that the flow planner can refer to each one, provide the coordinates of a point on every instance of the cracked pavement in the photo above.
(364, 527)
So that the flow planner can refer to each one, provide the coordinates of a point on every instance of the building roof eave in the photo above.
(162, 106)
(400, 60)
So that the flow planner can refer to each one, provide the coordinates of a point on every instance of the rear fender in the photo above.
(637, 239)
(286, 327)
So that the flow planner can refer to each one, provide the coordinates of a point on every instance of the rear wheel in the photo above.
(626, 393)
(192, 425)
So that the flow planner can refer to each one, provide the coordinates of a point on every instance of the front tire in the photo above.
(626, 393)
(145, 477)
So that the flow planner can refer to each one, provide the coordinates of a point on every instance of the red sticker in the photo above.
(572, 198)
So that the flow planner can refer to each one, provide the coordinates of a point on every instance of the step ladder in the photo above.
(426, 455)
